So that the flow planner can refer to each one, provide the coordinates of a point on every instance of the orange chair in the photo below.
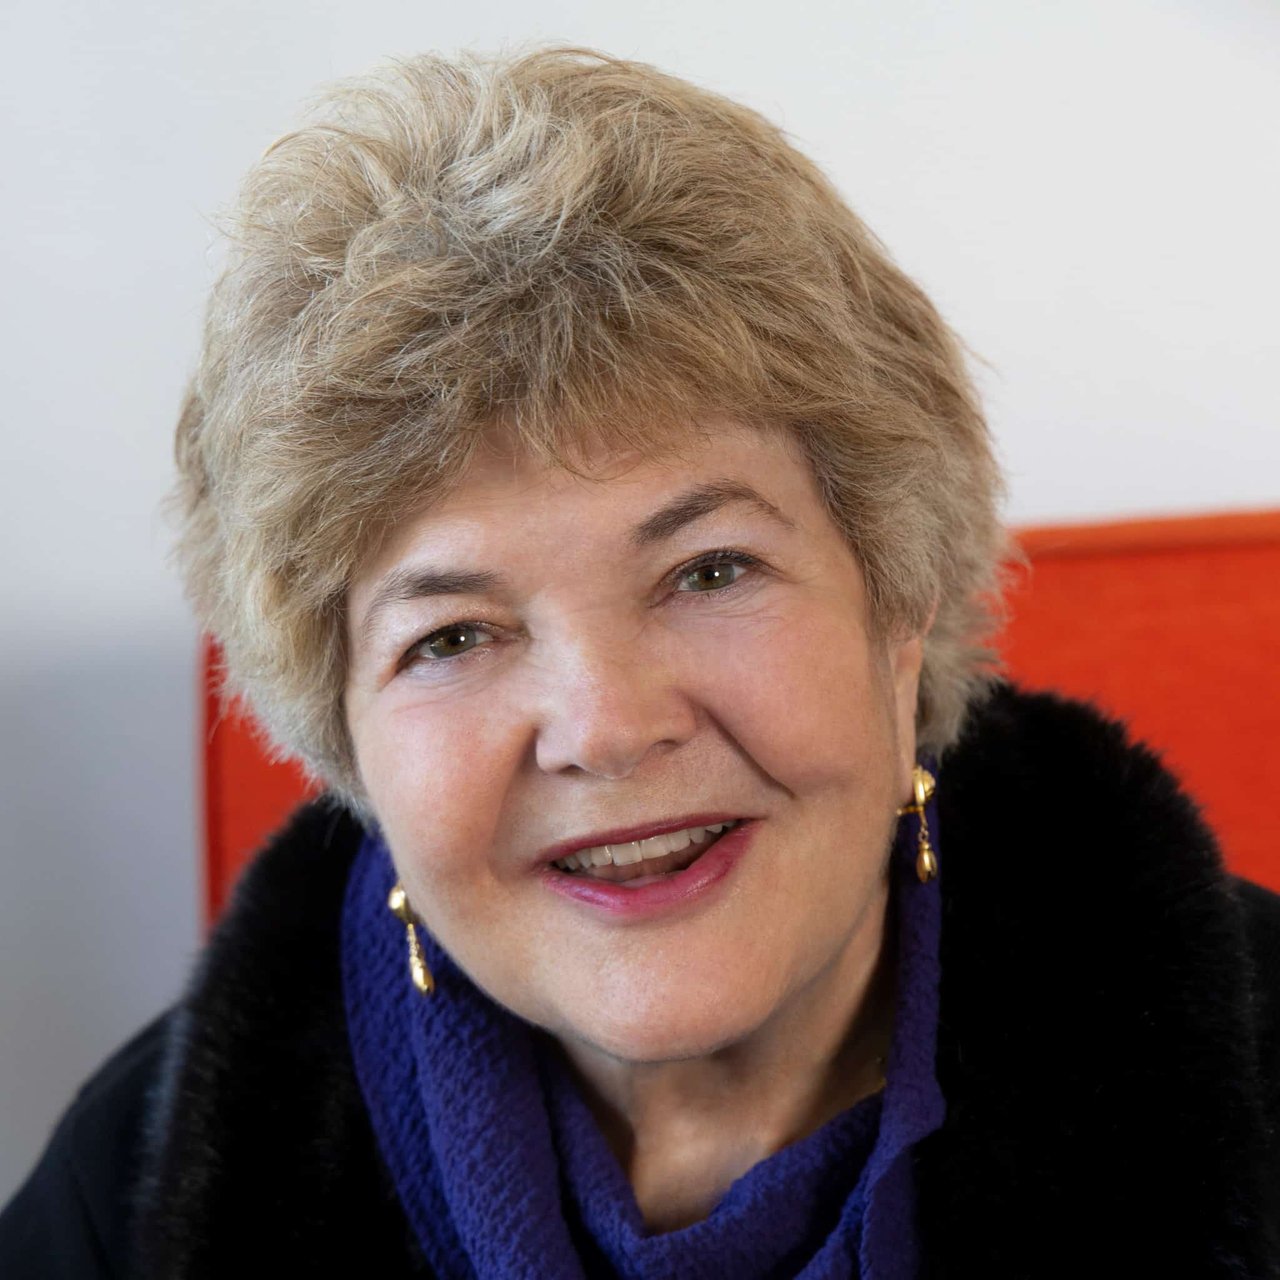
(1167, 624)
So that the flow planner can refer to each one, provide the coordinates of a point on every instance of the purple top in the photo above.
(503, 1171)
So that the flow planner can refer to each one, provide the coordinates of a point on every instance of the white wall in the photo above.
(1088, 189)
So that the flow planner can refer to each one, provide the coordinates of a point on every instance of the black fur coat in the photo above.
(1109, 1048)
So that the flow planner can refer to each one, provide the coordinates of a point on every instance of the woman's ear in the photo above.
(906, 660)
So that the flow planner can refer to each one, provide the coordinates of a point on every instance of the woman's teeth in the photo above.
(622, 855)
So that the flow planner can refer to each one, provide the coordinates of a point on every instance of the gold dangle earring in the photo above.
(398, 901)
(923, 785)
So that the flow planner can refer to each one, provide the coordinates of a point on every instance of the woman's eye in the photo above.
(712, 575)
(449, 642)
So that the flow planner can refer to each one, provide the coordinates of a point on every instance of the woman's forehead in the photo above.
(611, 450)
(503, 464)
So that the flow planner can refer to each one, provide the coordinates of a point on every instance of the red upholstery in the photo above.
(246, 794)
(1167, 623)
(1170, 624)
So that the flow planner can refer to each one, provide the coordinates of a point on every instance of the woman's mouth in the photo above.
(640, 862)
(628, 887)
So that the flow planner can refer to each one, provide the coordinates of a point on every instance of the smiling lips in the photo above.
(634, 859)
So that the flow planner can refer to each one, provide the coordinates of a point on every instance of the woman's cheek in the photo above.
(798, 692)
(435, 775)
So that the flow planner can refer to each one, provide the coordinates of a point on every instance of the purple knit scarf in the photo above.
(504, 1173)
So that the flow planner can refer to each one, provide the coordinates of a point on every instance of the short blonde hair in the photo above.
(595, 253)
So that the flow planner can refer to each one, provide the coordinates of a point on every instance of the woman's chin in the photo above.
(677, 1030)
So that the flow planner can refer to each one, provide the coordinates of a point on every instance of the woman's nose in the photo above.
(605, 707)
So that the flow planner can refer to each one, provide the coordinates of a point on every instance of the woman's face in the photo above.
(543, 658)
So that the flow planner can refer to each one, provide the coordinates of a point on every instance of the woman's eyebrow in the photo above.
(402, 585)
(419, 583)
(701, 501)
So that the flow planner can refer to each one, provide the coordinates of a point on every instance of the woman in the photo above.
(575, 485)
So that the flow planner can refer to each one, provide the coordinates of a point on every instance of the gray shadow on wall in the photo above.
(99, 913)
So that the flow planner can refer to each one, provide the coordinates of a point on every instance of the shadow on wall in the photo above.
(99, 910)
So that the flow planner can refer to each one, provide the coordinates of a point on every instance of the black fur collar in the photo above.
(1097, 1044)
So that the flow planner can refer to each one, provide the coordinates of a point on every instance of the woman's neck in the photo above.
(685, 1130)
